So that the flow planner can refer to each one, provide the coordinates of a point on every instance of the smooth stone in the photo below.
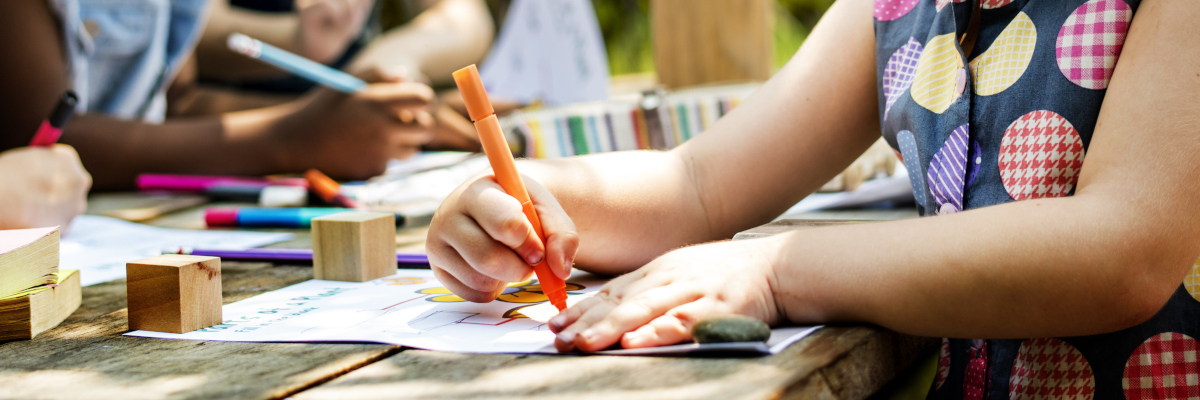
(730, 328)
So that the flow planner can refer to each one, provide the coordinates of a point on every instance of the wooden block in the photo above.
(354, 246)
(174, 293)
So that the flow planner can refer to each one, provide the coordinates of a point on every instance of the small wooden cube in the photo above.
(174, 293)
(354, 246)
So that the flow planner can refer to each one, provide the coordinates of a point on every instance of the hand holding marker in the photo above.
(496, 147)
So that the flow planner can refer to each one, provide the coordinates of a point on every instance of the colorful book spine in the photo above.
(652, 120)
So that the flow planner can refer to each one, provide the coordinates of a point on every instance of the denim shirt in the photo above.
(123, 54)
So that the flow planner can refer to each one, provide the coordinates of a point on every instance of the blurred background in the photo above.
(626, 27)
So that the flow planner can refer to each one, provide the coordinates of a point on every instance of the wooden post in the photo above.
(354, 246)
(708, 41)
(174, 293)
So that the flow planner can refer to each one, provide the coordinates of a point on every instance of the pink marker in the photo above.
(202, 183)
(51, 128)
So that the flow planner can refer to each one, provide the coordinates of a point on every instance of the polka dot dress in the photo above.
(1011, 120)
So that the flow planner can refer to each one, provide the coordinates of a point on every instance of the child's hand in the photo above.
(480, 240)
(352, 136)
(328, 26)
(658, 304)
(41, 187)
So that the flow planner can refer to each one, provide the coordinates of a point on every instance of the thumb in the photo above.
(562, 239)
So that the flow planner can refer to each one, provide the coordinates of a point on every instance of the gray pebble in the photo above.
(730, 328)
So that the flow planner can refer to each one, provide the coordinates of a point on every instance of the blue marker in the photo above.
(266, 217)
(295, 64)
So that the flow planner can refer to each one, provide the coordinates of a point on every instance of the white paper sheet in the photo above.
(99, 246)
(412, 309)
(883, 188)
(550, 50)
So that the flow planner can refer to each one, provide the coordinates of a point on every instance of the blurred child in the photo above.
(443, 35)
(127, 60)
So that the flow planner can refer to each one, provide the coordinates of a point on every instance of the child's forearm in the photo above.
(629, 207)
(1039, 268)
(196, 101)
(441, 40)
(115, 151)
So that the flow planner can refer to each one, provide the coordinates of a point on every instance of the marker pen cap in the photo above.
(473, 94)
(283, 196)
(64, 109)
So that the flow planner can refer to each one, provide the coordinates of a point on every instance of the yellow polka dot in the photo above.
(937, 71)
(1005, 61)
(1191, 282)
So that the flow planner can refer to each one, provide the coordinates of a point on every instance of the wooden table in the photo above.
(87, 357)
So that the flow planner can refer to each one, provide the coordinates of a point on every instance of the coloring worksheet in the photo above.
(412, 309)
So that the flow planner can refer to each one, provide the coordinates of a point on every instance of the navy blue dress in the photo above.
(1011, 121)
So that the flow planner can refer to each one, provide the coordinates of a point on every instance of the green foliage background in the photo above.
(626, 28)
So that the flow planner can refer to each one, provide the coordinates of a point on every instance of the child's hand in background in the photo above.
(352, 136)
(480, 240)
(41, 187)
(659, 303)
(327, 26)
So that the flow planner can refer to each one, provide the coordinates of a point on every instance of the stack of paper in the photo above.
(34, 294)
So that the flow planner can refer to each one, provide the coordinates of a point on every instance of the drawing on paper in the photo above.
(529, 291)
(400, 281)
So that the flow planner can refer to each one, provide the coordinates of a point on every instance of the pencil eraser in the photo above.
(473, 93)
(214, 217)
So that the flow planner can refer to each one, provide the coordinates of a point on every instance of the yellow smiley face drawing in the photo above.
(520, 292)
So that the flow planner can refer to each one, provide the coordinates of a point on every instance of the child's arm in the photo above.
(1105, 259)
(447, 36)
(793, 135)
(318, 29)
(347, 136)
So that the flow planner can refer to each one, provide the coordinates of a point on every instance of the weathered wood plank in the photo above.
(840, 363)
(89, 359)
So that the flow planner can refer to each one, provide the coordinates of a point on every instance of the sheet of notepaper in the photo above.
(99, 246)
(410, 309)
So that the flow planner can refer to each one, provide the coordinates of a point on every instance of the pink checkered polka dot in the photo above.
(990, 4)
(1090, 42)
(1040, 156)
(1163, 367)
(1049, 368)
(887, 10)
(943, 368)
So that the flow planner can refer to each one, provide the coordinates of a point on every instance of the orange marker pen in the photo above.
(496, 147)
(329, 190)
